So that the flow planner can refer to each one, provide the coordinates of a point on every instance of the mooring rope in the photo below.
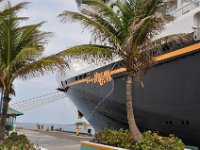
(108, 94)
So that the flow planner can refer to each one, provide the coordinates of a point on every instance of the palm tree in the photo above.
(129, 34)
(21, 49)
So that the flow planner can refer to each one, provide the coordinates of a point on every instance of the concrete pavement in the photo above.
(54, 140)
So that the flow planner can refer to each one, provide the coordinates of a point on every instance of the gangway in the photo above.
(38, 101)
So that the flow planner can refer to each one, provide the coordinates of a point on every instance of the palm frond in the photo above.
(126, 15)
(89, 52)
(41, 67)
(97, 17)
(12, 90)
(95, 27)
(105, 11)
(15, 8)
(25, 56)
(146, 25)
(27, 31)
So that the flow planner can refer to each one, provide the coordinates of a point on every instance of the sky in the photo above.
(65, 35)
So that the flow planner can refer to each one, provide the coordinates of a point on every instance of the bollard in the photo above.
(77, 130)
(37, 126)
(51, 128)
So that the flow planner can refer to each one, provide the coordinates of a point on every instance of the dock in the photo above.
(54, 140)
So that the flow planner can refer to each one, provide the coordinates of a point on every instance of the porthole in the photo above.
(170, 122)
(187, 122)
(182, 122)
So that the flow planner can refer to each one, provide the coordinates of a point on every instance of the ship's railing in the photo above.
(173, 45)
(186, 8)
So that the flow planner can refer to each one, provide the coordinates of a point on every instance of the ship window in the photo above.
(80, 77)
(166, 122)
(88, 74)
(76, 78)
(84, 75)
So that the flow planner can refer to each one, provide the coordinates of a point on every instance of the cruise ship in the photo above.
(168, 103)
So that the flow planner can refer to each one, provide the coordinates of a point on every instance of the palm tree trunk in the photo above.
(4, 116)
(136, 134)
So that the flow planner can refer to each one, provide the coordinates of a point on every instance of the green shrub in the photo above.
(150, 141)
(16, 142)
(117, 138)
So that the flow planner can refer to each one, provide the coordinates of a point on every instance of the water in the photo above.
(63, 127)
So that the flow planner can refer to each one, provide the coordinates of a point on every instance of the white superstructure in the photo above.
(187, 14)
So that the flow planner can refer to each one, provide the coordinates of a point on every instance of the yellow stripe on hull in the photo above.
(176, 53)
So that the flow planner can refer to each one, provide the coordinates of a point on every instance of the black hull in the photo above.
(169, 102)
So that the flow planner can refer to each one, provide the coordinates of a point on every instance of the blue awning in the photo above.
(12, 111)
